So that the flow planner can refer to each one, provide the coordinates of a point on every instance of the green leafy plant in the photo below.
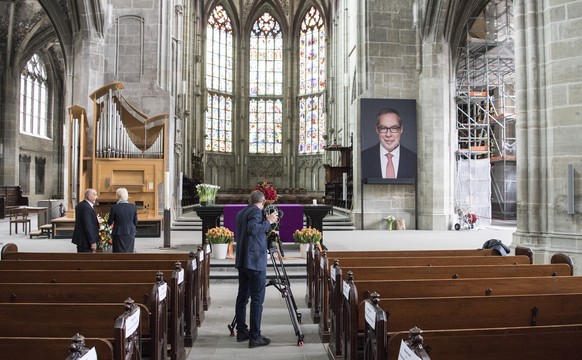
(307, 235)
(219, 235)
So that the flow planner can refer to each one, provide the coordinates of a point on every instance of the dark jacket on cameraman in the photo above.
(251, 239)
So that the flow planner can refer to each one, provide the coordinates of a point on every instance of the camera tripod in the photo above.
(281, 281)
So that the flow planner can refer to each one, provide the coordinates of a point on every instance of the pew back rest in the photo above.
(49, 348)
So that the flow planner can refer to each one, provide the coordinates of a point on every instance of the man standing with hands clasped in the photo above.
(86, 231)
(251, 262)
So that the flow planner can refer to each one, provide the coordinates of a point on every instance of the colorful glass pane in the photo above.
(312, 82)
(219, 81)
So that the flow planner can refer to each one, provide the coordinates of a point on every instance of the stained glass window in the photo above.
(219, 80)
(312, 75)
(266, 86)
(33, 98)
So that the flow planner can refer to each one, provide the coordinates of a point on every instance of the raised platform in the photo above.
(146, 228)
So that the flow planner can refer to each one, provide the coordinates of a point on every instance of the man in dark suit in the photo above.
(251, 262)
(86, 232)
(123, 218)
(388, 159)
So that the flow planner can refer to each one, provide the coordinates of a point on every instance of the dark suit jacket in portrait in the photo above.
(123, 216)
(372, 166)
(251, 239)
(86, 226)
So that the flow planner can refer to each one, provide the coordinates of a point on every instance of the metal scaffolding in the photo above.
(486, 114)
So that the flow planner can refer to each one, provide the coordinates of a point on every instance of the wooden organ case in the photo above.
(127, 150)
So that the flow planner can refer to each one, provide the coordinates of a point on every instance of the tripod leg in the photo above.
(232, 326)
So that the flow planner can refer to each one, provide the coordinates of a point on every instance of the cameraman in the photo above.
(251, 262)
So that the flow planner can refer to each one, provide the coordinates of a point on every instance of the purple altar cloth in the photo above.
(292, 219)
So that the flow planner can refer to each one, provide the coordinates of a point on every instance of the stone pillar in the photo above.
(548, 93)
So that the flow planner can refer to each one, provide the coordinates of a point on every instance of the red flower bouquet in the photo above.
(268, 189)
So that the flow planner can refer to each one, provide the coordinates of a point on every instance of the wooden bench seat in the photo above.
(321, 303)
(467, 312)
(155, 297)
(531, 343)
(314, 256)
(423, 288)
(50, 348)
(193, 308)
(196, 265)
(505, 330)
(199, 275)
(107, 321)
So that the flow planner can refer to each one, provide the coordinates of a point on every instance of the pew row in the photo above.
(191, 277)
(314, 254)
(166, 305)
(320, 307)
(318, 264)
(50, 348)
(540, 342)
(361, 290)
(467, 312)
(118, 323)
(10, 252)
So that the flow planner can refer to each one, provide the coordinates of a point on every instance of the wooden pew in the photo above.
(450, 288)
(50, 348)
(337, 288)
(193, 265)
(108, 321)
(153, 296)
(467, 312)
(103, 276)
(200, 274)
(321, 303)
(541, 342)
(314, 256)
(321, 264)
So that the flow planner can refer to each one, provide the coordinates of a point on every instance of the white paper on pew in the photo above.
(207, 248)
(406, 353)
(346, 290)
(370, 314)
(201, 255)
(322, 263)
(131, 323)
(332, 273)
(180, 277)
(162, 292)
(194, 265)
(90, 355)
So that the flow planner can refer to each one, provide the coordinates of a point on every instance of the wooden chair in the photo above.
(19, 216)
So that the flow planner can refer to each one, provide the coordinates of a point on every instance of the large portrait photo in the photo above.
(388, 141)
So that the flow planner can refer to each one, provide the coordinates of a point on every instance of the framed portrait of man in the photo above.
(388, 141)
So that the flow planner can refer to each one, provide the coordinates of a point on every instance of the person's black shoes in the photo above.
(260, 341)
(242, 336)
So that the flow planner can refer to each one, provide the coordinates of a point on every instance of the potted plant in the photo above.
(105, 241)
(306, 236)
(268, 190)
(219, 238)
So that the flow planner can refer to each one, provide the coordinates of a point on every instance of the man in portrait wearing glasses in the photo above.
(388, 159)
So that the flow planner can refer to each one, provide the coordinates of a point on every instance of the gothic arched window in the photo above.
(219, 81)
(34, 98)
(266, 86)
(312, 82)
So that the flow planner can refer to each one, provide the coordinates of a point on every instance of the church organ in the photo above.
(127, 150)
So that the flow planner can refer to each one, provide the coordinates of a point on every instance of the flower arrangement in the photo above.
(268, 189)
(207, 193)
(307, 235)
(390, 219)
(105, 240)
(219, 235)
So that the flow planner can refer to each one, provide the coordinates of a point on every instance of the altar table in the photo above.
(291, 220)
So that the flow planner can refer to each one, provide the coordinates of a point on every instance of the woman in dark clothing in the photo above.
(123, 219)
